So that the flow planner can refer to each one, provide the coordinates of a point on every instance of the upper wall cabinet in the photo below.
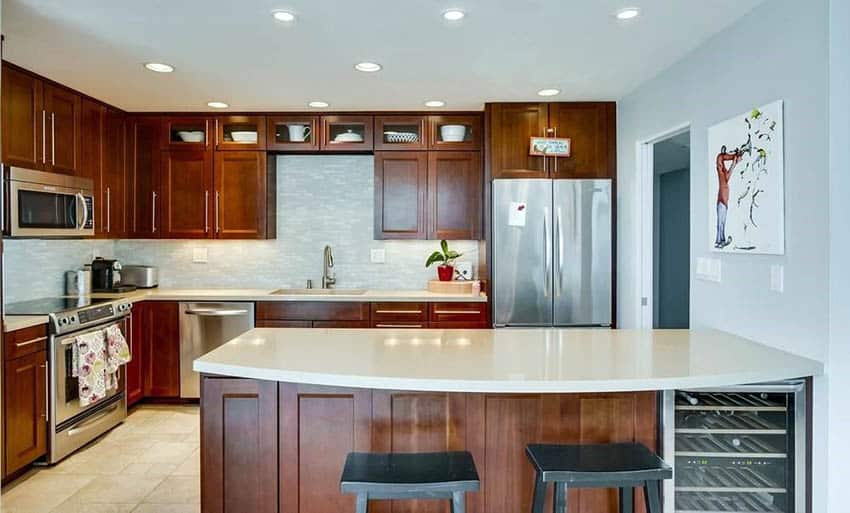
(143, 157)
(454, 133)
(401, 185)
(454, 195)
(186, 133)
(401, 132)
(347, 133)
(23, 120)
(293, 132)
(590, 126)
(240, 133)
(41, 124)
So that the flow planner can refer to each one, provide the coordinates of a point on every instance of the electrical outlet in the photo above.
(777, 278)
(378, 256)
(199, 255)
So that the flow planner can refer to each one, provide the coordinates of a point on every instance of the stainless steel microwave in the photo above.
(43, 204)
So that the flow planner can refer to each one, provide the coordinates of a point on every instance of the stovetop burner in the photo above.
(52, 305)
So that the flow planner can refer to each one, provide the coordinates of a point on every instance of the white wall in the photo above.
(838, 366)
(721, 79)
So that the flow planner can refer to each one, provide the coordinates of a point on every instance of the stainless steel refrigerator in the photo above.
(552, 253)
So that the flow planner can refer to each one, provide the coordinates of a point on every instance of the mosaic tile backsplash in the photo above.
(321, 200)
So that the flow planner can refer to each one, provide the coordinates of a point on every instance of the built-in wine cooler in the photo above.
(736, 450)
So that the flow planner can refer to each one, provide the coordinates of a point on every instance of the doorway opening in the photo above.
(671, 232)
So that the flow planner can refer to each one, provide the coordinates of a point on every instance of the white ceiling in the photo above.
(235, 51)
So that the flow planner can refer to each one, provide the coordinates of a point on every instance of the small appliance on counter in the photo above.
(106, 276)
(141, 276)
(78, 282)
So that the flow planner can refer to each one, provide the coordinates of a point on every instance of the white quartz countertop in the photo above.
(17, 322)
(504, 361)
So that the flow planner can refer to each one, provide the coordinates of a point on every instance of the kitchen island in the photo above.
(281, 407)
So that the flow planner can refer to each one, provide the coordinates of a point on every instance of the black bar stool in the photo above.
(432, 475)
(623, 466)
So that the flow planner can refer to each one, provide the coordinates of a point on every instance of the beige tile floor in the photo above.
(149, 464)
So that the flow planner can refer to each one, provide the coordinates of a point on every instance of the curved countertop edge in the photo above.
(504, 361)
(498, 387)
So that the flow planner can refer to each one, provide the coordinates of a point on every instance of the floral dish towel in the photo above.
(89, 366)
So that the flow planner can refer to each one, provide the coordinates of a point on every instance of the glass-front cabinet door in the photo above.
(240, 133)
(455, 132)
(186, 132)
(347, 133)
(401, 132)
(293, 132)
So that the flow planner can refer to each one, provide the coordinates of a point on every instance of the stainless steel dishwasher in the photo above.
(204, 327)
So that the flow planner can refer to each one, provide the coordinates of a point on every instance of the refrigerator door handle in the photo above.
(547, 253)
(559, 247)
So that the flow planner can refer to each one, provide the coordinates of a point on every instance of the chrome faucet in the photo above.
(328, 276)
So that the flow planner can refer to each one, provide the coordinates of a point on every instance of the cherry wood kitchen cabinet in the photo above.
(399, 315)
(591, 127)
(278, 130)
(114, 210)
(186, 132)
(339, 133)
(317, 426)
(243, 204)
(458, 315)
(63, 129)
(23, 119)
(454, 195)
(240, 420)
(134, 370)
(156, 329)
(401, 194)
(186, 191)
(273, 312)
(240, 133)
(401, 133)
(473, 134)
(24, 397)
(511, 125)
(143, 170)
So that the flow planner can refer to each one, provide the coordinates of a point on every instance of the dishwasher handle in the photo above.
(210, 312)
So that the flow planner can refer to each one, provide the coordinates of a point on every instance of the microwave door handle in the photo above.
(81, 205)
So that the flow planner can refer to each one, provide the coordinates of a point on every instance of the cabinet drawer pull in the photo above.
(46, 391)
(462, 312)
(398, 311)
(398, 325)
(30, 342)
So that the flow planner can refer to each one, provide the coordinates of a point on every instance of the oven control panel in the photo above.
(73, 320)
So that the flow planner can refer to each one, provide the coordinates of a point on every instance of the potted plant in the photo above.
(447, 256)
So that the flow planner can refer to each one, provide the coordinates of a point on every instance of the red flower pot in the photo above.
(446, 272)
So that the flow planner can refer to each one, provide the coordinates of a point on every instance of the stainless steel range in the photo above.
(70, 426)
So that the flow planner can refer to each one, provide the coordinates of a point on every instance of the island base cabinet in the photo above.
(317, 426)
(239, 446)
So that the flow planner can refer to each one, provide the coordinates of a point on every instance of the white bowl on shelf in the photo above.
(244, 136)
(348, 136)
(191, 135)
(453, 133)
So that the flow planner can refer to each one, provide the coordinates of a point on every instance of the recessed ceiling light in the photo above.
(367, 67)
(453, 14)
(285, 16)
(548, 92)
(218, 105)
(159, 67)
(435, 103)
(628, 13)
(318, 104)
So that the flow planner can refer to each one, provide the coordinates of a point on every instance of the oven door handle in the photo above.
(81, 205)
(91, 421)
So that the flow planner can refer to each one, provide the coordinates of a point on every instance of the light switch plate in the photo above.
(777, 278)
(378, 256)
(708, 269)
(199, 255)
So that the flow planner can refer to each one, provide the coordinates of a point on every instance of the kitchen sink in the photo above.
(319, 292)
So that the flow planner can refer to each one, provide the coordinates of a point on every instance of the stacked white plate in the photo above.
(401, 137)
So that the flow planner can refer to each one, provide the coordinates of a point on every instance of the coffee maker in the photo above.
(106, 276)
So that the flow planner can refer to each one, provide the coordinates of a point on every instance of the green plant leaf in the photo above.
(452, 254)
(434, 258)
(445, 246)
